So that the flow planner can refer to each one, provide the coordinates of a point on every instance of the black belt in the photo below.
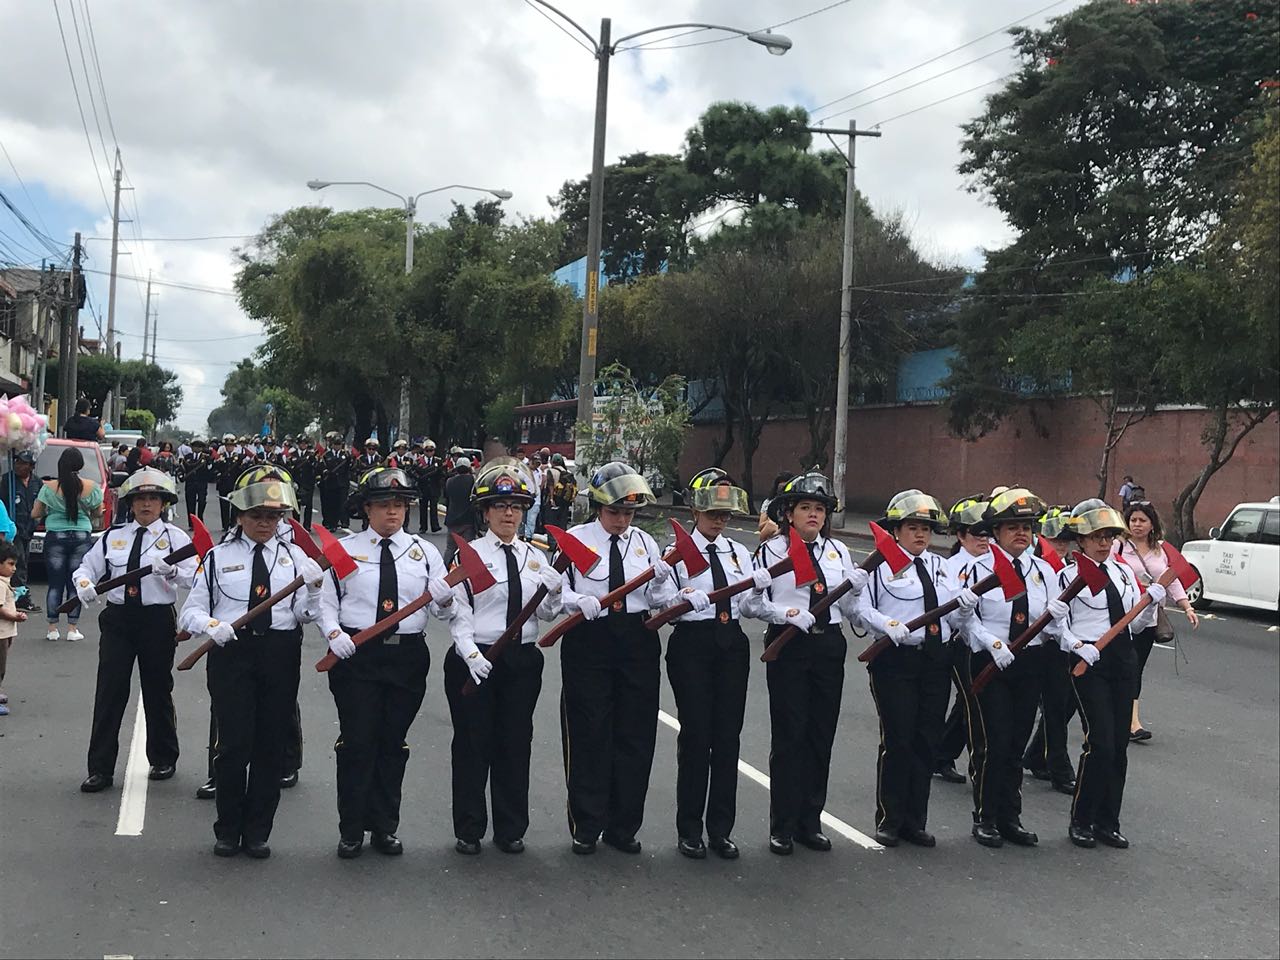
(386, 640)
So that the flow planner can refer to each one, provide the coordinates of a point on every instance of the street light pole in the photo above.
(410, 208)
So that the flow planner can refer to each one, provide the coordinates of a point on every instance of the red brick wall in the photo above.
(1055, 454)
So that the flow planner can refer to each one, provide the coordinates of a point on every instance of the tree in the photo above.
(145, 385)
(143, 420)
(642, 426)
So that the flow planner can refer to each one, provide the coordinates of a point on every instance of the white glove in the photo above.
(896, 631)
(550, 579)
(1088, 653)
(341, 645)
(801, 619)
(858, 581)
(1058, 609)
(312, 575)
(661, 571)
(163, 569)
(998, 649)
(478, 665)
(588, 606)
(968, 600)
(221, 633)
(1157, 593)
(698, 598)
(440, 591)
(762, 578)
(86, 591)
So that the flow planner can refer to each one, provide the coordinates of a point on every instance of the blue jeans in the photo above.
(63, 551)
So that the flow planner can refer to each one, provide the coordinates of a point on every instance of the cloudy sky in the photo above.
(224, 110)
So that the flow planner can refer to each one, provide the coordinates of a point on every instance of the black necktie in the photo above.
(817, 590)
(515, 594)
(933, 631)
(1115, 604)
(1018, 619)
(388, 583)
(133, 592)
(617, 576)
(259, 590)
(724, 608)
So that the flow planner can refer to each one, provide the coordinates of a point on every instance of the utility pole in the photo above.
(410, 208)
(146, 321)
(71, 338)
(155, 326)
(841, 440)
(115, 254)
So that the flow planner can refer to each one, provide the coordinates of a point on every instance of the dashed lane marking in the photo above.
(834, 823)
(133, 799)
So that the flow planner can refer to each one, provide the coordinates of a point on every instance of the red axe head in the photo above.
(1050, 555)
(1094, 576)
(477, 573)
(1178, 564)
(801, 562)
(890, 549)
(200, 536)
(578, 553)
(1010, 583)
(303, 540)
(688, 551)
(333, 551)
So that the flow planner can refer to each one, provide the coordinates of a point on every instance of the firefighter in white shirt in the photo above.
(493, 723)
(138, 623)
(379, 687)
(253, 672)
(708, 662)
(609, 667)
(1002, 715)
(806, 681)
(910, 680)
(1105, 692)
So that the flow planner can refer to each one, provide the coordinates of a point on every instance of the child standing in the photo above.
(10, 615)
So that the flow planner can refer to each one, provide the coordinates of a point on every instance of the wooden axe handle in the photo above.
(869, 563)
(987, 674)
(1122, 624)
(868, 655)
(635, 583)
(130, 576)
(286, 591)
(715, 596)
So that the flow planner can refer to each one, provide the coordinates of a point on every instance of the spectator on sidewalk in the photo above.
(765, 527)
(69, 505)
(81, 426)
(18, 492)
(10, 615)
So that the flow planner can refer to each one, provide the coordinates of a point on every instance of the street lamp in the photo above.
(603, 49)
(410, 208)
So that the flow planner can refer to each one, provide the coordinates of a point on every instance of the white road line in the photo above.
(1164, 646)
(835, 823)
(133, 799)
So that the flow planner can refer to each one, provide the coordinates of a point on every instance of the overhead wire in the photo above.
(88, 82)
(907, 113)
(560, 26)
(80, 107)
(26, 193)
(97, 65)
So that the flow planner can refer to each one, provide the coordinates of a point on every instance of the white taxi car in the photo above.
(1240, 563)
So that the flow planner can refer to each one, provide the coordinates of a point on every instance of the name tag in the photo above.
(231, 569)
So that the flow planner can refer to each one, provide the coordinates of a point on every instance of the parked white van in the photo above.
(1240, 563)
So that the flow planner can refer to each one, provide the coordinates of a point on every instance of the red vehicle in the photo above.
(95, 469)
(548, 425)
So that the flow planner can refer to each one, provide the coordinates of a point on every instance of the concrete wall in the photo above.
(1055, 453)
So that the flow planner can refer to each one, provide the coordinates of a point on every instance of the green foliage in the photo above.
(144, 385)
(642, 426)
(143, 420)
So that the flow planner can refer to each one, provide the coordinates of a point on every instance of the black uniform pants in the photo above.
(292, 744)
(1047, 750)
(224, 509)
(492, 740)
(145, 634)
(429, 509)
(331, 505)
(708, 664)
(806, 684)
(1000, 719)
(306, 500)
(955, 733)
(197, 492)
(609, 723)
(910, 691)
(253, 681)
(1143, 642)
(377, 692)
(1105, 696)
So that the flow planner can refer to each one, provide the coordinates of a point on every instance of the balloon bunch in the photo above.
(21, 427)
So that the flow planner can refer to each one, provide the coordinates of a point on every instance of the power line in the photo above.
(97, 65)
(43, 238)
(88, 83)
(560, 26)
(80, 107)
(649, 44)
(222, 236)
(899, 116)
(168, 283)
(25, 192)
(238, 336)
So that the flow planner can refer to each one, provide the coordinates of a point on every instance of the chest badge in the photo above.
(639, 551)
(162, 544)
(285, 561)
(117, 544)
(388, 605)
(415, 554)
(534, 565)
(832, 555)
(260, 590)
(1035, 577)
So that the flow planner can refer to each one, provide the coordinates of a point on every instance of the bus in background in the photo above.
(549, 425)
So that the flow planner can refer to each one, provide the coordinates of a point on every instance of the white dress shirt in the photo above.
(995, 612)
(353, 600)
(639, 552)
(109, 558)
(482, 617)
(832, 556)
(1088, 617)
(222, 584)
(737, 564)
(901, 597)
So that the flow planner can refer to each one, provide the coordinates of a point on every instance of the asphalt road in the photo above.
(1201, 879)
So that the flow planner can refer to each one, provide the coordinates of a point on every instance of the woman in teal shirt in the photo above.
(69, 505)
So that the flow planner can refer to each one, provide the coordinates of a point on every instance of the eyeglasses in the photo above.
(262, 516)
(506, 507)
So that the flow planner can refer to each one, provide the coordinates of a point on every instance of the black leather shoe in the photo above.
(949, 773)
(161, 772)
(724, 848)
(1065, 786)
(225, 848)
(584, 847)
(1015, 832)
(814, 841)
(1039, 773)
(1082, 836)
(987, 834)
(1112, 838)
(921, 838)
(350, 849)
(886, 838)
(257, 849)
(1141, 735)
(623, 844)
(95, 783)
(289, 780)
(387, 843)
(510, 846)
(468, 847)
(693, 849)
(208, 790)
(781, 845)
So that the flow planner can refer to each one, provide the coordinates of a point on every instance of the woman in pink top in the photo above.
(1141, 550)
